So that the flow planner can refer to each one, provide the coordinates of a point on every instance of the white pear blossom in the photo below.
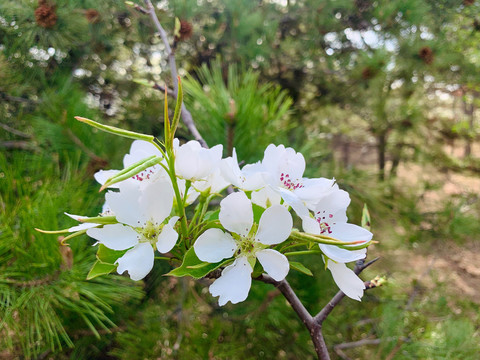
(331, 220)
(283, 170)
(214, 183)
(143, 225)
(139, 150)
(193, 162)
(247, 179)
(246, 241)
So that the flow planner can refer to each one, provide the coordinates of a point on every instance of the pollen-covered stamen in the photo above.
(149, 232)
(289, 183)
(144, 175)
(325, 227)
(247, 245)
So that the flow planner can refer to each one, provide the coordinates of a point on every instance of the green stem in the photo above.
(178, 196)
(305, 252)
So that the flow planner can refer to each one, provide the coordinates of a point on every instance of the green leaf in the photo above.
(116, 131)
(257, 213)
(212, 215)
(366, 218)
(194, 267)
(99, 269)
(257, 270)
(108, 256)
(300, 267)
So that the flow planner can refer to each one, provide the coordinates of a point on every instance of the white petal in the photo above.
(272, 158)
(274, 226)
(274, 263)
(168, 237)
(83, 226)
(234, 283)
(137, 261)
(347, 280)
(342, 255)
(350, 232)
(138, 151)
(125, 204)
(214, 183)
(76, 217)
(266, 197)
(332, 207)
(214, 245)
(156, 201)
(186, 160)
(294, 201)
(103, 175)
(236, 214)
(310, 225)
(115, 236)
(314, 191)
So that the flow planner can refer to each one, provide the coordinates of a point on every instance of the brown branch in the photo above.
(186, 115)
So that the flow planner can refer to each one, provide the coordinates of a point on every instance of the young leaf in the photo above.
(99, 269)
(211, 215)
(257, 212)
(194, 267)
(300, 267)
(108, 256)
(115, 130)
(366, 218)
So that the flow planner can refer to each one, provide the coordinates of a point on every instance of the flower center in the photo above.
(149, 232)
(322, 218)
(289, 183)
(247, 245)
(145, 174)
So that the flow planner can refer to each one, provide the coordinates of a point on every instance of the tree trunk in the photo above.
(381, 150)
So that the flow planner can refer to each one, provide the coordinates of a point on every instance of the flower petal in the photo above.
(137, 261)
(115, 236)
(83, 226)
(346, 280)
(103, 175)
(156, 201)
(125, 204)
(275, 225)
(140, 150)
(350, 232)
(234, 283)
(294, 201)
(333, 207)
(342, 255)
(168, 237)
(236, 214)
(266, 197)
(274, 263)
(214, 245)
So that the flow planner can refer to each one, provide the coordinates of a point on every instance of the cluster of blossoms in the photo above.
(147, 204)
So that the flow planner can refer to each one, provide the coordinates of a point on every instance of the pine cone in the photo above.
(426, 54)
(186, 30)
(92, 15)
(45, 14)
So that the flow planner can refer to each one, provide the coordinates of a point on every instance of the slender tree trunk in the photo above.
(381, 150)
(469, 111)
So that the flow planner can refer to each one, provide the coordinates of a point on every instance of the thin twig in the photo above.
(15, 131)
(186, 115)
